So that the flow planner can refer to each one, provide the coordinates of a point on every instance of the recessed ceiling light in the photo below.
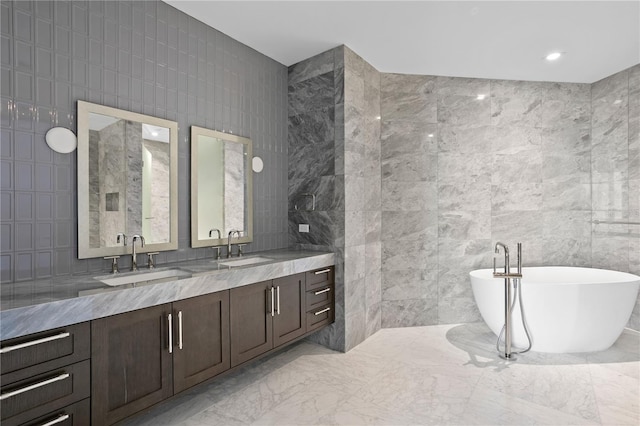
(481, 96)
(553, 56)
(154, 133)
(430, 135)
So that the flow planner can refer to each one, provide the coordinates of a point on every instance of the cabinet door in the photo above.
(289, 320)
(251, 311)
(130, 364)
(201, 346)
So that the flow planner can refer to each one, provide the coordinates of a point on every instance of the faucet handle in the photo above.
(240, 252)
(151, 261)
(217, 249)
(114, 263)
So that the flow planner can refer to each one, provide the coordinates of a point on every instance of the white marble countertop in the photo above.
(33, 306)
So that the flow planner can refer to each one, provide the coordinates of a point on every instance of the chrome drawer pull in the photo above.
(34, 342)
(57, 420)
(322, 291)
(273, 305)
(322, 272)
(170, 322)
(322, 311)
(180, 330)
(34, 386)
(278, 300)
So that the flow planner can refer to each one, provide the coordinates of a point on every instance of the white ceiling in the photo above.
(483, 39)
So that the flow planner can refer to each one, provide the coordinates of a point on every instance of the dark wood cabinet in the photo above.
(201, 348)
(43, 373)
(289, 321)
(251, 308)
(143, 357)
(320, 298)
(78, 414)
(131, 363)
(266, 315)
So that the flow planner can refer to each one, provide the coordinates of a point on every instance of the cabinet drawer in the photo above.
(319, 277)
(28, 356)
(78, 414)
(319, 317)
(322, 296)
(35, 397)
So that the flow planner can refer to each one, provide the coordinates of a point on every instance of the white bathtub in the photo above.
(567, 309)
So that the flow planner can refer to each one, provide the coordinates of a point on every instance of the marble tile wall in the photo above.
(460, 172)
(615, 173)
(334, 153)
(141, 56)
(316, 168)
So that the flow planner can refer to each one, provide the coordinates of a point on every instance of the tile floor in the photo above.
(424, 375)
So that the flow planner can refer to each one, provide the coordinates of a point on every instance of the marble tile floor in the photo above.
(444, 375)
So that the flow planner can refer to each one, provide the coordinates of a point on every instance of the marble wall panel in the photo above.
(407, 136)
(410, 225)
(409, 312)
(463, 110)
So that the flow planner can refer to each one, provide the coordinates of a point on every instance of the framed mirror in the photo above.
(127, 181)
(221, 188)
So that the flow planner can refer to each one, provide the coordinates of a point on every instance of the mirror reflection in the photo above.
(221, 188)
(126, 179)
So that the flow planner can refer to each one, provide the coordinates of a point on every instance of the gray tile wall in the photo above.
(615, 174)
(142, 56)
(531, 162)
(316, 166)
(334, 153)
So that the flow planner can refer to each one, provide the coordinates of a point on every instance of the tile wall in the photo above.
(334, 153)
(531, 162)
(615, 174)
(141, 56)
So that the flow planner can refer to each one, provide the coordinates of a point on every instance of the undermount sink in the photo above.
(244, 261)
(143, 277)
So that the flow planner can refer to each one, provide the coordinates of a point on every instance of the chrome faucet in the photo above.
(124, 238)
(229, 241)
(134, 260)
(507, 275)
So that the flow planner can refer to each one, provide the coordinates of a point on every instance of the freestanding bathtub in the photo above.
(567, 309)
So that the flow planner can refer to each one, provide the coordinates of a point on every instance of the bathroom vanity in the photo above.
(111, 351)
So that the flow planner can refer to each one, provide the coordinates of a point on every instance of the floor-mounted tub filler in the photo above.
(568, 309)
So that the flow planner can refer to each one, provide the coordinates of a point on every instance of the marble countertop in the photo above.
(33, 306)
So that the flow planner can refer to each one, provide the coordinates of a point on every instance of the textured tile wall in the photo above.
(334, 153)
(316, 166)
(615, 171)
(459, 173)
(142, 56)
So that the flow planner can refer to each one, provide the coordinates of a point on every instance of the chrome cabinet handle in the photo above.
(322, 272)
(57, 420)
(278, 300)
(170, 321)
(322, 291)
(34, 342)
(180, 330)
(322, 311)
(273, 312)
(34, 386)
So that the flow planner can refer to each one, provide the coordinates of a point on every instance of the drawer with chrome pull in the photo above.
(78, 414)
(319, 317)
(36, 396)
(322, 296)
(27, 356)
(319, 278)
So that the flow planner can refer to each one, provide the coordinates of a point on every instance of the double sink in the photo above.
(156, 276)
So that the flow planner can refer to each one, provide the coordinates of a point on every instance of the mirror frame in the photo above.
(84, 250)
(247, 236)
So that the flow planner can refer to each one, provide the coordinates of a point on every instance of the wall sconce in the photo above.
(61, 139)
